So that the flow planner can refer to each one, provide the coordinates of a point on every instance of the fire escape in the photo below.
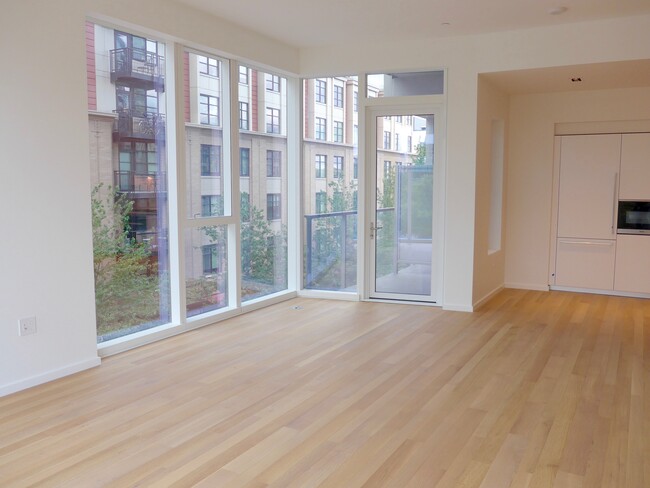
(142, 128)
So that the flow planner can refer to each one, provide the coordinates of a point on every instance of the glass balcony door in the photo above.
(404, 221)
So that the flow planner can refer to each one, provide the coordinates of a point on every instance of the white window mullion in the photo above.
(234, 229)
(176, 181)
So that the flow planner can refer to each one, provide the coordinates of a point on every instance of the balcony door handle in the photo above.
(374, 228)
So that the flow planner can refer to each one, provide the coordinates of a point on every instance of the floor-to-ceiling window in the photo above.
(330, 183)
(190, 233)
(128, 161)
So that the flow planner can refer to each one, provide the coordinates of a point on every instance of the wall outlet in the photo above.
(27, 326)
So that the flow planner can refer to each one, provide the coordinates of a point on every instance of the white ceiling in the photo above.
(313, 23)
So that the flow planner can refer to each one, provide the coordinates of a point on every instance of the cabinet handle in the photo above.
(615, 201)
(589, 243)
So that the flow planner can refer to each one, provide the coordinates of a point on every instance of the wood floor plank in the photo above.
(536, 389)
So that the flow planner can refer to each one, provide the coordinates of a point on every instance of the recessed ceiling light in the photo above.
(557, 10)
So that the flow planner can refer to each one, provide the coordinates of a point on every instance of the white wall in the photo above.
(488, 264)
(45, 229)
(465, 58)
(530, 176)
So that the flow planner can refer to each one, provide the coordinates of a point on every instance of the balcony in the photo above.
(138, 68)
(131, 125)
(140, 185)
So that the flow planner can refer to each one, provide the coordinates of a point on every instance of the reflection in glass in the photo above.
(207, 155)
(206, 269)
(263, 182)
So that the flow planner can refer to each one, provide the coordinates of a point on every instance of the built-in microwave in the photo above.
(634, 217)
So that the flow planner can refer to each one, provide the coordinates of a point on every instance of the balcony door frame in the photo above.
(414, 105)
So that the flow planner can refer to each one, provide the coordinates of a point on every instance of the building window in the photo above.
(387, 167)
(321, 91)
(407, 120)
(273, 206)
(355, 169)
(397, 148)
(211, 205)
(355, 136)
(338, 131)
(321, 202)
(273, 164)
(243, 75)
(243, 115)
(209, 109)
(386, 139)
(409, 143)
(272, 120)
(355, 97)
(398, 119)
(244, 161)
(208, 66)
(210, 160)
(321, 131)
(273, 83)
(321, 166)
(338, 167)
(338, 96)
(210, 259)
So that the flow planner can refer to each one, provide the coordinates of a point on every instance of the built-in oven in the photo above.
(633, 217)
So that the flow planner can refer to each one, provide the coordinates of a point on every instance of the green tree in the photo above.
(419, 158)
(126, 293)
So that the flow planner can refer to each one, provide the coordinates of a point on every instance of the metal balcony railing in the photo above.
(137, 125)
(138, 67)
(130, 181)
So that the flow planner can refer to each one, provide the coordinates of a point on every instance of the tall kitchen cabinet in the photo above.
(633, 251)
(585, 254)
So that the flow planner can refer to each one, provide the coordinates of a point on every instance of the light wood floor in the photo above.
(534, 390)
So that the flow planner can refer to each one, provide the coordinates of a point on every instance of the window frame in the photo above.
(320, 164)
(338, 165)
(338, 131)
(338, 96)
(320, 129)
(273, 163)
(208, 65)
(272, 83)
(320, 91)
(273, 121)
(244, 122)
(244, 163)
(273, 206)
(211, 160)
(209, 113)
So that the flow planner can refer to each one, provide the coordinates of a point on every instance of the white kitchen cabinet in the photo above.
(585, 263)
(588, 186)
(632, 264)
(635, 167)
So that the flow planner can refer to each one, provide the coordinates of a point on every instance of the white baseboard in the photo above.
(527, 286)
(329, 295)
(453, 307)
(489, 295)
(49, 376)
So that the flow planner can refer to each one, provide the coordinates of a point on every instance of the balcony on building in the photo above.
(138, 185)
(132, 125)
(138, 68)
